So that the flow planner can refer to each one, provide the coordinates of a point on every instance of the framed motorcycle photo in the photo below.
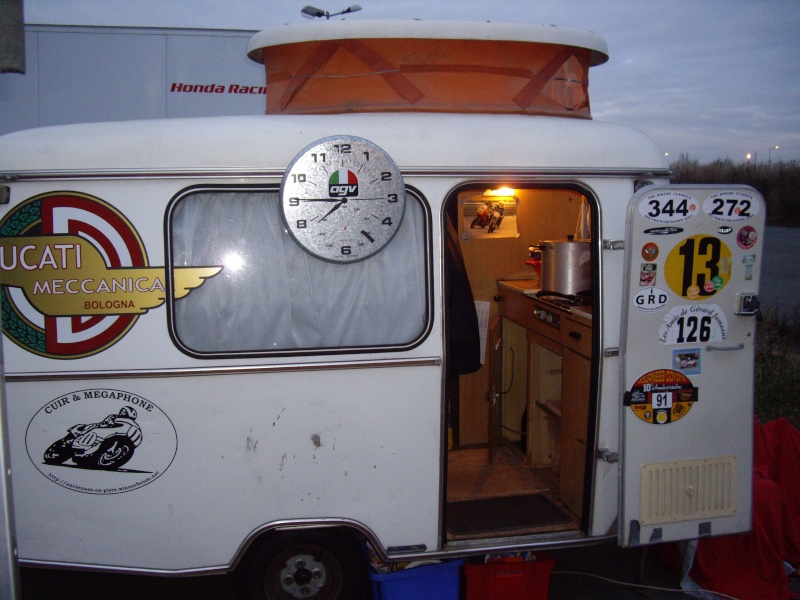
(489, 216)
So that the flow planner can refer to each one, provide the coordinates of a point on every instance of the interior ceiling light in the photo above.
(503, 191)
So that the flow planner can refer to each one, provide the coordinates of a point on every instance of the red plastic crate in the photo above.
(528, 580)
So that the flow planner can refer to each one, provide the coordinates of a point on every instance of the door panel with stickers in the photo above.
(688, 339)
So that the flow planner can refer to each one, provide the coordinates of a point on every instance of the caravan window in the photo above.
(273, 297)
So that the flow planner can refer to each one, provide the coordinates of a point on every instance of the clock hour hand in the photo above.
(333, 208)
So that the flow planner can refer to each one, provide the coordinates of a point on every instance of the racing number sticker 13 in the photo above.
(698, 267)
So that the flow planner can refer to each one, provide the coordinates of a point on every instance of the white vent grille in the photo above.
(689, 489)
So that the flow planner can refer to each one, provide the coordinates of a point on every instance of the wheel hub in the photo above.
(303, 576)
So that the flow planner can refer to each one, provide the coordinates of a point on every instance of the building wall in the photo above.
(90, 74)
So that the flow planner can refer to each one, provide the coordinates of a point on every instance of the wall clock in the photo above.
(342, 199)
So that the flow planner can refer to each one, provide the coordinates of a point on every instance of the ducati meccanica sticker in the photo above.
(698, 267)
(75, 275)
(662, 396)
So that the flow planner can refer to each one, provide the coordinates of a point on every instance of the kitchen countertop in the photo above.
(530, 287)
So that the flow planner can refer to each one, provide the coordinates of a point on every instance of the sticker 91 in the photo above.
(698, 267)
(732, 207)
(668, 207)
(661, 397)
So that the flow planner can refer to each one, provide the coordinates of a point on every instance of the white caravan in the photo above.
(424, 302)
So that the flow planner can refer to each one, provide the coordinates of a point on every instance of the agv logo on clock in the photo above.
(343, 183)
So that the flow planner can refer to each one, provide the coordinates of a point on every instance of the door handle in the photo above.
(607, 455)
(713, 348)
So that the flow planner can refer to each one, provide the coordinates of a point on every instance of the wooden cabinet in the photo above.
(559, 386)
(575, 385)
(544, 401)
(577, 337)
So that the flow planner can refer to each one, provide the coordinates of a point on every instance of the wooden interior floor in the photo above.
(470, 476)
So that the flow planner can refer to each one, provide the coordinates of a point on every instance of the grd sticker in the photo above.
(651, 299)
(101, 441)
(76, 276)
(662, 396)
(698, 267)
(668, 207)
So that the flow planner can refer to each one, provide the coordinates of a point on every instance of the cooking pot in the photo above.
(566, 266)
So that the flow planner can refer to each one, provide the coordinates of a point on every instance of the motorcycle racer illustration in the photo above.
(106, 445)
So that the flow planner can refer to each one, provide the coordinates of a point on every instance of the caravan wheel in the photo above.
(310, 565)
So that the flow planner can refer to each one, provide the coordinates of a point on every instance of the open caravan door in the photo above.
(693, 260)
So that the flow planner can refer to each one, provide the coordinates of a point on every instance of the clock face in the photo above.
(343, 199)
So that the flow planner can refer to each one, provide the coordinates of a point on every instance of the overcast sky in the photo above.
(708, 78)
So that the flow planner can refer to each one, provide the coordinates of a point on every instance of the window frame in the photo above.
(414, 195)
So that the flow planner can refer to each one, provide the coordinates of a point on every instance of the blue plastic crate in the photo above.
(440, 581)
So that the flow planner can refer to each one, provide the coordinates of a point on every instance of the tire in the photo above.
(111, 455)
(306, 564)
(58, 453)
(474, 223)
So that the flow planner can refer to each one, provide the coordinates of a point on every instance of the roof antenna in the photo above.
(312, 12)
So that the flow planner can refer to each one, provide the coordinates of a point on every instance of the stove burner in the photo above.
(564, 301)
(557, 302)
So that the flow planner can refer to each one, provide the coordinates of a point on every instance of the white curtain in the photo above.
(282, 298)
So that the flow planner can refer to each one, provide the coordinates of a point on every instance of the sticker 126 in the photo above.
(693, 324)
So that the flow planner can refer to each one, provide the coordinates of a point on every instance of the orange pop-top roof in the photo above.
(427, 66)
